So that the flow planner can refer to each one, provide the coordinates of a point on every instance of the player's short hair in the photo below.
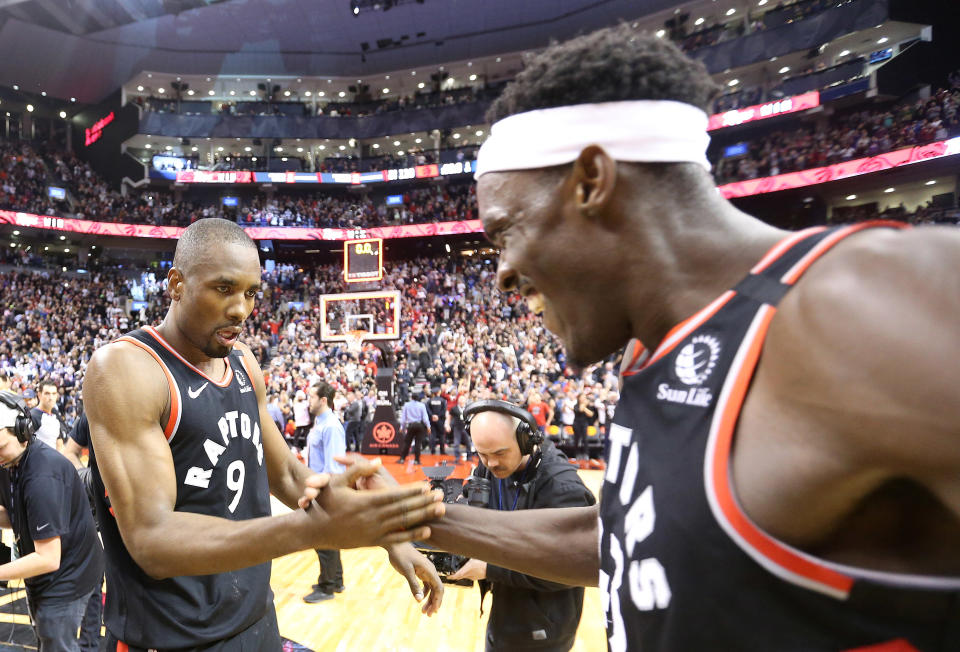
(198, 239)
(609, 65)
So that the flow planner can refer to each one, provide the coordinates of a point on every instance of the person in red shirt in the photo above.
(542, 413)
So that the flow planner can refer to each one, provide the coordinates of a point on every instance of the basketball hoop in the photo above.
(355, 340)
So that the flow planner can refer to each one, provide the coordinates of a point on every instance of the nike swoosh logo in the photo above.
(42, 526)
(195, 393)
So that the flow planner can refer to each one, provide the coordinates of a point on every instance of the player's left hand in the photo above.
(474, 569)
(360, 473)
(410, 563)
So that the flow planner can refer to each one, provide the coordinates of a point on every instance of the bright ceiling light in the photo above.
(784, 69)
(161, 90)
(420, 85)
(930, 183)
(698, 21)
(140, 88)
(386, 90)
(661, 33)
(889, 189)
(479, 132)
(307, 94)
(456, 136)
(733, 82)
(342, 94)
(882, 40)
(210, 92)
(731, 11)
(396, 143)
(851, 197)
(844, 53)
(376, 145)
(473, 78)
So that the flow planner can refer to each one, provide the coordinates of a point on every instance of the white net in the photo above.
(355, 340)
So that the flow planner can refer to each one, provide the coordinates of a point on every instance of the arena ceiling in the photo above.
(88, 48)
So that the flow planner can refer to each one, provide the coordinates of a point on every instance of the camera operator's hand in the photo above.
(410, 563)
(474, 569)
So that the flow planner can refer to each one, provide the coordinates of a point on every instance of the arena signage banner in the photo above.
(844, 170)
(763, 111)
(87, 227)
(350, 178)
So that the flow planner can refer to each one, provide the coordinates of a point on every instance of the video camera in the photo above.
(475, 492)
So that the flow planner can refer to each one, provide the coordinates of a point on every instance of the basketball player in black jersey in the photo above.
(185, 456)
(804, 499)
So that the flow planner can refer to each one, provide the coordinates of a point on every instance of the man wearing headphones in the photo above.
(525, 472)
(44, 502)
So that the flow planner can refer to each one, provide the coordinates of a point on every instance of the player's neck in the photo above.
(168, 330)
(693, 251)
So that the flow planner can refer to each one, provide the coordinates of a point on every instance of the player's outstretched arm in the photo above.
(559, 545)
(126, 398)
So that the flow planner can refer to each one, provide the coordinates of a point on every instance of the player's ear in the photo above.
(594, 177)
(175, 283)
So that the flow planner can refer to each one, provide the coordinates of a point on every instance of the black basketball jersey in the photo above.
(214, 436)
(683, 568)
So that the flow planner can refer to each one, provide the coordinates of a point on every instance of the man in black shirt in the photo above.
(79, 439)
(44, 502)
(458, 428)
(437, 408)
(528, 613)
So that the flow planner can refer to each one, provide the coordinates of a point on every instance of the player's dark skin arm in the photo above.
(558, 544)
(127, 397)
(289, 478)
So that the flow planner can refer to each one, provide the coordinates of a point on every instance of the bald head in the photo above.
(494, 436)
(203, 236)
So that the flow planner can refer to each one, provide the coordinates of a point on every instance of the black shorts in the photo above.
(261, 636)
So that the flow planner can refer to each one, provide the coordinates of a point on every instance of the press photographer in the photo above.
(524, 472)
(44, 502)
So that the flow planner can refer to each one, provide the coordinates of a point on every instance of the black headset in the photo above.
(528, 432)
(23, 426)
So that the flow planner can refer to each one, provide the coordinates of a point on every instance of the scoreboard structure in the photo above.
(363, 260)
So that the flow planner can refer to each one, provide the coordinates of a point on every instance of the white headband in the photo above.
(641, 131)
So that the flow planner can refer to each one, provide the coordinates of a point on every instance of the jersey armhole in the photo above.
(173, 420)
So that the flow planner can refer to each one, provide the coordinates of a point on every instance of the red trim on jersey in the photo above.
(227, 373)
(634, 368)
(122, 647)
(824, 245)
(898, 645)
(174, 393)
(777, 250)
(778, 553)
(688, 325)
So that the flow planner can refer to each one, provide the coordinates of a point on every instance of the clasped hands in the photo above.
(369, 508)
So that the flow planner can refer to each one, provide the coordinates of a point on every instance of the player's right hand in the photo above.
(348, 518)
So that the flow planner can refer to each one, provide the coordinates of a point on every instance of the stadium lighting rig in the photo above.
(359, 6)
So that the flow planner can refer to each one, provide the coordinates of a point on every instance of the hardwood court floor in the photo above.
(377, 613)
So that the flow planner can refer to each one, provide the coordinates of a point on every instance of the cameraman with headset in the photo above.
(43, 501)
(524, 471)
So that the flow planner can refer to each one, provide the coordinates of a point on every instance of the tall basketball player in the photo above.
(784, 471)
(185, 456)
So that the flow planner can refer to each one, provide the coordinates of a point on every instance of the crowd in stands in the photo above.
(458, 333)
(26, 169)
(362, 106)
(317, 210)
(848, 136)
